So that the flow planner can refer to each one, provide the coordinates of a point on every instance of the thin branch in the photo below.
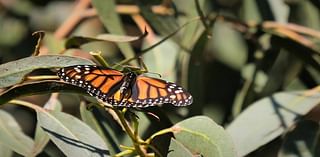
(72, 21)
(130, 10)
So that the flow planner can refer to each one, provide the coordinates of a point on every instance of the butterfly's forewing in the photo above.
(99, 82)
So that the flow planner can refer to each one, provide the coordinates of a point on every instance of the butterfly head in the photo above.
(133, 69)
(128, 80)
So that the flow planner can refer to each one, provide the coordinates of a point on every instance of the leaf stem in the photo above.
(27, 104)
(131, 133)
(125, 61)
(41, 34)
(42, 77)
(161, 132)
(99, 58)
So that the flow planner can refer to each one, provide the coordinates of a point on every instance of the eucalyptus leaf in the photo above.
(72, 136)
(41, 139)
(5, 151)
(13, 72)
(268, 118)
(111, 20)
(162, 60)
(177, 149)
(107, 135)
(204, 137)
(234, 56)
(12, 137)
(77, 41)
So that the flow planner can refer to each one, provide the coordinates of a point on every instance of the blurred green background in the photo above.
(236, 53)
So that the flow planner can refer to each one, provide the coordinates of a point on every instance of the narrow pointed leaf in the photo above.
(5, 151)
(268, 118)
(111, 20)
(72, 136)
(13, 72)
(77, 41)
(12, 137)
(109, 138)
(41, 139)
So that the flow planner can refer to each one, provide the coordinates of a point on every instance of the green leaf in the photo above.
(250, 11)
(162, 60)
(12, 137)
(53, 44)
(77, 41)
(268, 118)
(302, 140)
(162, 24)
(304, 13)
(190, 34)
(111, 20)
(177, 149)
(106, 133)
(72, 136)
(234, 56)
(41, 138)
(13, 72)
(203, 136)
(39, 87)
(5, 151)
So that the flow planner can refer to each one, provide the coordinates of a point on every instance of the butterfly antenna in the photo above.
(155, 74)
(116, 65)
(148, 113)
(144, 68)
(153, 115)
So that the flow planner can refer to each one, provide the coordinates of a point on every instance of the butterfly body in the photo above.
(125, 89)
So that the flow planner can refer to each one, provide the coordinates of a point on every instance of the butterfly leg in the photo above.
(144, 68)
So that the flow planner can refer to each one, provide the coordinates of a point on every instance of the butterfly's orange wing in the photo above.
(98, 81)
(147, 91)
(105, 83)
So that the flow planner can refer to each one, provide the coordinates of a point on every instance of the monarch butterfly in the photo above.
(125, 89)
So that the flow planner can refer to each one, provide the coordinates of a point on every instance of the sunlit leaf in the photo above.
(41, 138)
(111, 20)
(77, 41)
(250, 11)
(12, 137)
(162, 60)
(13, 72)
(109, 137)
(268, 118)
(72, 136)
(203, 136)
(177, 149)
(234, 56)
(5, 151)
